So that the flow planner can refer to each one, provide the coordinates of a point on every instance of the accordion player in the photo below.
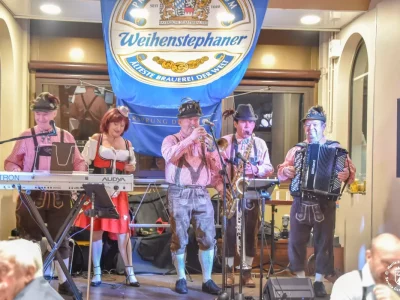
(317, 167)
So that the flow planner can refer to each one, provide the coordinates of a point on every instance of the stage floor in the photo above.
(158, 287)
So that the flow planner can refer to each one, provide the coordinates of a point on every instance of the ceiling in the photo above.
(89, 11)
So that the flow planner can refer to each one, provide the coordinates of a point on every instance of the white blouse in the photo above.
(89, 153)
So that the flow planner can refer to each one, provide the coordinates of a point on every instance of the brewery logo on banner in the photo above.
(181, 43)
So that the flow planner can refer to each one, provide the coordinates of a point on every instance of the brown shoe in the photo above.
(230, 274)
(247, 281)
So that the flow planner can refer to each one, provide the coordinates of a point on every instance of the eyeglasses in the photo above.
(313, 125)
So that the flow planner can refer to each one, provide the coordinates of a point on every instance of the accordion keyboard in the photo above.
(317, 167)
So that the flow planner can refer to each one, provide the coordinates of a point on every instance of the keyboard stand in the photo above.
(62, 233)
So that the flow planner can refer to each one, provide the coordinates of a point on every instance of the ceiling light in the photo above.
(225, 17)
(268, 60)
(139, 13)
(310, 20)
(76, 54)
(50, 9)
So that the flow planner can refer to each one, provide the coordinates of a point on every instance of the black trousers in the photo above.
(320, 216)
(54, 208)
(252, 224)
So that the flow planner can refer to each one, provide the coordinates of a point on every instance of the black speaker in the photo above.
(289, 288)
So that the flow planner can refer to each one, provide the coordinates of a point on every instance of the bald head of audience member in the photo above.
(385, 250)
(20, 263)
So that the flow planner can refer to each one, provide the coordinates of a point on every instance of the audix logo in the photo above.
(392, 276)
(113, 179)
(181, 43)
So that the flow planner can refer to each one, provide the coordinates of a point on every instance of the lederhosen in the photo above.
(53, 207)
(251, 212)
(317, 212)
(190, 203)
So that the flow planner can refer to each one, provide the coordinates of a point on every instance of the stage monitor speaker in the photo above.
(288, 288)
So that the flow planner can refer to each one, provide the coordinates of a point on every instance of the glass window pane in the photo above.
(358, 104)
(278, 121)
(97, 100)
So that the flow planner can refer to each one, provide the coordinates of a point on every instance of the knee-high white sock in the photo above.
(61, 276)
(97, 249)
(301, 274)
(179, 263)
(206, 258)
(318, 277)
(248, 260)
(230, 261)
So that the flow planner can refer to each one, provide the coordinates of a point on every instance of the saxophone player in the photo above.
(189, 169)
(255, 150)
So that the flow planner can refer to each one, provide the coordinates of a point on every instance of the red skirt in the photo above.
(111, 225)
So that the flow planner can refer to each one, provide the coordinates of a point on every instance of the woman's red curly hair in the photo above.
(111, 116)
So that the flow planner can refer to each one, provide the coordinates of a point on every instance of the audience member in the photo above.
(21, 272)
(370, 282)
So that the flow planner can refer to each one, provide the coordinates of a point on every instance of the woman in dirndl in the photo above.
(111, 154)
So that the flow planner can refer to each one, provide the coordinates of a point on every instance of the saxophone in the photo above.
(232, 200)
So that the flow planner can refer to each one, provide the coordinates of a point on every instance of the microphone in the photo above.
(240, 156)
(53, 131)
(208, 122)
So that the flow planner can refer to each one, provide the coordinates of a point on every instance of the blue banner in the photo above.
(152, 125)
(160, 51)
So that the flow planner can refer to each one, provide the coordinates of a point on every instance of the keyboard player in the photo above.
(32, 154)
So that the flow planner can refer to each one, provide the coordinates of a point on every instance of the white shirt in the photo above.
(89, 153)
(350, 286)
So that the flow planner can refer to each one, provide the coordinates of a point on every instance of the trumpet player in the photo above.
(255, 151)
(189, 168)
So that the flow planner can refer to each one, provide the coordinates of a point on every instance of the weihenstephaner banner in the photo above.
(160, 51)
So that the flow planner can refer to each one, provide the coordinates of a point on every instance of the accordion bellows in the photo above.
(317, 167)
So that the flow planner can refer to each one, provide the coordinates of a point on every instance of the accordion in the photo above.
(317, 167)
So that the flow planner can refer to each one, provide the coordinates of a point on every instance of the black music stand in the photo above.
(102, 207)
(62, 233)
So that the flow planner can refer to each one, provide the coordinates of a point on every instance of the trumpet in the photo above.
(208, 141)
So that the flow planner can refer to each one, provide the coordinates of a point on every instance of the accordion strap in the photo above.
(302, 145)
(341, 192)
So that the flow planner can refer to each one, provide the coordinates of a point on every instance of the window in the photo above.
(358, 111)
(279, 113)
(279, 108)
(97, 96)
(70, 93)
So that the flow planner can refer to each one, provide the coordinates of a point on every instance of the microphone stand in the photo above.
(223, 295)
(27, 136)
(241, 296)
